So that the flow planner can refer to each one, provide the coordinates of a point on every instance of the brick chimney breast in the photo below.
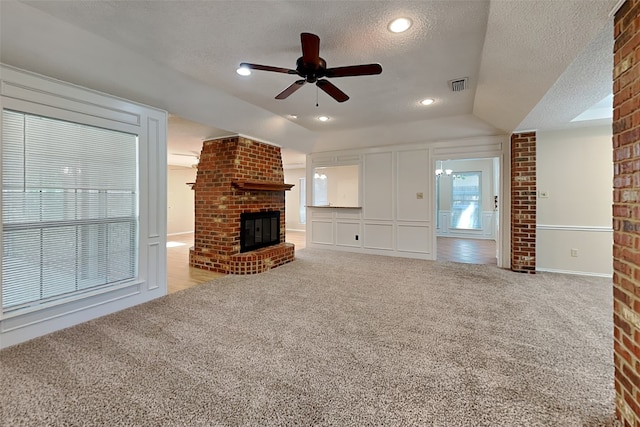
(237, 175)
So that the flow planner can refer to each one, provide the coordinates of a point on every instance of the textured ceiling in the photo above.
(182, 56)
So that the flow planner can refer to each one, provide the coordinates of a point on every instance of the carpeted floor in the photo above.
(334, 339)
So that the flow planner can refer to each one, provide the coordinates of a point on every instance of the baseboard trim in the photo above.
(575, 273)
(181, 232)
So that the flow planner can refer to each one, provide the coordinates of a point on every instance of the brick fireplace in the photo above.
(237, 175)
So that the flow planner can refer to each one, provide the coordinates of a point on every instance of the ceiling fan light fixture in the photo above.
(427, 101)
(244, 71)
(399, 25)
(323, 118)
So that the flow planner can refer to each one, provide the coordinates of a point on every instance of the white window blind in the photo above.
(69, 208)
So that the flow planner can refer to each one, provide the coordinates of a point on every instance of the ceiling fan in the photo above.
(313, 69)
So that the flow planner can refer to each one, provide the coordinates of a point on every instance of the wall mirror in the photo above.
(336, 186)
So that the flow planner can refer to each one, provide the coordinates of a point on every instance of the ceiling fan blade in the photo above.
(332, 90)
(292, 88)
(310, 48)
(354, 70)
(267, 68)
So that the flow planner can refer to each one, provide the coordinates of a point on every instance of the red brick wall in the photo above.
(523, 202)
(218, 205)
(626, 212)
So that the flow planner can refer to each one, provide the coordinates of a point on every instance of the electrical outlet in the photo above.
(574, 252)
(543, 194)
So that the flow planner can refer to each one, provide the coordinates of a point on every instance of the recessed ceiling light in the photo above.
(427, 101)
(243, 71)
(399, 25)
(323, 118)
(293, 116)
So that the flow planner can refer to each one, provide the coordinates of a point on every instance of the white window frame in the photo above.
(302, 202)
(478, 211)
(35, 94)
(70, 201)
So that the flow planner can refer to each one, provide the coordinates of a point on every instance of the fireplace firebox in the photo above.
(259, 229)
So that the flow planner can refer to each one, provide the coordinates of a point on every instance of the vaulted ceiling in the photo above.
(530, 64)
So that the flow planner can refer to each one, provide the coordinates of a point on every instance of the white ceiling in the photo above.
(531, 64)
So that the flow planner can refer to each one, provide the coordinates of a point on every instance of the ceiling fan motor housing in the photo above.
(310, 71)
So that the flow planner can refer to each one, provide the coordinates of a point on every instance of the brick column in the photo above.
(523, 202)
(626, 212)
(219, 204)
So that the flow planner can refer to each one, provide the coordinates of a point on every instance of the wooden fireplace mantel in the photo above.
(261, 185)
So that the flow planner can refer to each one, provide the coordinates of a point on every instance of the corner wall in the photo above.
(292, 199)
(180, 200)
(626, 212)
(574, 179)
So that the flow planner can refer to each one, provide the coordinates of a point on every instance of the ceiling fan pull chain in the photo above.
(317, 97)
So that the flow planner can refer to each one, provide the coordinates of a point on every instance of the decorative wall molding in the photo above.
(487, 232)
(588, 228)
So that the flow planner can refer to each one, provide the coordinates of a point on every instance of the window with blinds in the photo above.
(466, 206)
(69, 208)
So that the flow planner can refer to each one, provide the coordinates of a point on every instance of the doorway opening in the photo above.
(467, 210)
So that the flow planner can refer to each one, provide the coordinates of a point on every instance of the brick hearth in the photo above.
(237, 175)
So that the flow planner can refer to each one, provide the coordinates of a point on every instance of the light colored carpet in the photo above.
(335, 339)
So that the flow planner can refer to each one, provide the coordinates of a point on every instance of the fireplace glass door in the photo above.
(259, 229)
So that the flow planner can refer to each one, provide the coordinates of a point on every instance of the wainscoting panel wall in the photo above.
(413, 203)
(378, 236)
(378, 186)
(414, 238)
(348, 234)
(487, 231)
(321, 227)
(397, 185)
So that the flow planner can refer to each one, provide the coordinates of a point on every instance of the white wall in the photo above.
(575, 170)
(292, 198)
(35, 94)
(180, 200)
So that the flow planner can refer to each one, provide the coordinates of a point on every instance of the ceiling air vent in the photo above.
(458, 85)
